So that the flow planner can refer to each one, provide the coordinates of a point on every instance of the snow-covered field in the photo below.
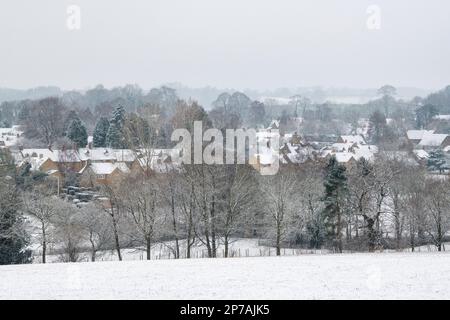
(346, 276)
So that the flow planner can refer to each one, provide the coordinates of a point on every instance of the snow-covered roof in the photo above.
(97, 154)
(54, 155)
(344, 157)
(342, 147)
(103, 167)
(107, 154)
(356, 152)
(442, 117)
(296, 153)
(418, 134)
(432, 139)
(125, 155)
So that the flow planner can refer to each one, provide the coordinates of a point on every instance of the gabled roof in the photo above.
(68, 155)
(103, 168)
(432, 139)
(97, 154)
(417, 134)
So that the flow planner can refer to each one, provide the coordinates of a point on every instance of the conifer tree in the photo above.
(77, 133)
(436, 161)
(100, 133)
(115, 137)
(13, 237)
(68, 121)
(334, 200)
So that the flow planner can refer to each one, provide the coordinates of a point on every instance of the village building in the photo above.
(428, 139)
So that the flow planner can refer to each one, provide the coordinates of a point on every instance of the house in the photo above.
(358, 139)
(415, 136)
(350, 152)
(442, 117)
(435, 140)
(97, 155)
(106, 173)
(46, 160)
(291, 153)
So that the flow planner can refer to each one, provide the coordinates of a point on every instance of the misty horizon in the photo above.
(254, 44)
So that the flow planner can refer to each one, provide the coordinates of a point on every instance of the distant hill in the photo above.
(440, 99)
(7, 94)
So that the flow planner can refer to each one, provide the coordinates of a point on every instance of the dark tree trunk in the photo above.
(371, 233)
(213, 229)
(278, 240)
(175, 229)
(116, 236)
(44, 244)
(398, 233)
(226, 244)
(148, 243)
(93, 250)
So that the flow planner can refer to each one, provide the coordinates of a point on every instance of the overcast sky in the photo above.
(259, 44)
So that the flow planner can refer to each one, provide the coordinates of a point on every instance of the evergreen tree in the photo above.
(335, 193)
(114, 138)
(68, 121)
(118, 117)
(100, 133)
(13, 237)
(436, 161)
(77, 133)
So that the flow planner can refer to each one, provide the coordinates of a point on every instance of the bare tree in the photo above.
(68, 230)
(414, 195)
(186, 203)
(438, 210)
(206, 194)
(142, 202)
(279, 192)
(45, 120)
(113, 209)
(96, 228)
(43, 210)
(369, 188)
(170, 189)
(238, 201)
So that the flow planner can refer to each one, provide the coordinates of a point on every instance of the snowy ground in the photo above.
(346, 276)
